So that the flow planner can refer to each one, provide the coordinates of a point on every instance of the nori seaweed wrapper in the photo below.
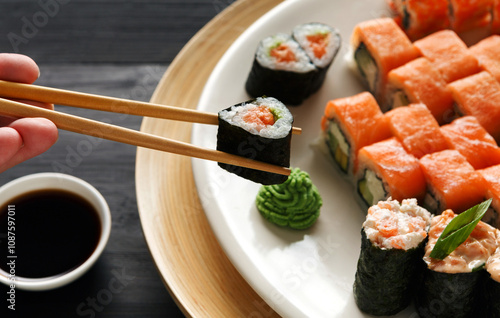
(445, 295)
(386, 278)
(319, 78)
(490, 299)
(238, 141)
(292, 88)
(362, 56)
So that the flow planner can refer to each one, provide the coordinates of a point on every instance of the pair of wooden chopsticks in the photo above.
(116, 133)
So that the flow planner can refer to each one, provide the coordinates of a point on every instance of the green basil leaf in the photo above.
(458, 230)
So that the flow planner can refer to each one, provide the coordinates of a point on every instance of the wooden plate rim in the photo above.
(192, 264)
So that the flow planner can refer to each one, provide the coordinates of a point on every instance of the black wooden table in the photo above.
(116, 48)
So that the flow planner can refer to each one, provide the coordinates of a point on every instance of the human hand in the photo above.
(25, 138)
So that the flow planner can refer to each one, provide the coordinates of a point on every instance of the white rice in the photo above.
(301, 32)
(281, 127)
(302, 63)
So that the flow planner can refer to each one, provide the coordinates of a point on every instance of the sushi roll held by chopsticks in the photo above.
(261, 130)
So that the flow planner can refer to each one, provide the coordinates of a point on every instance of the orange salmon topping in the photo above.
(261, 116)
(318, 43)
(282, 53)
(388, 227)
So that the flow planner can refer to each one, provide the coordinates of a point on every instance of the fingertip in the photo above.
(10, 143)
(45, 132)
(18, 68)
(38, 135)
(24, 139)
(10, 138)
(51, 131)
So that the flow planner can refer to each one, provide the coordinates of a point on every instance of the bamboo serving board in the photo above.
(195, 269)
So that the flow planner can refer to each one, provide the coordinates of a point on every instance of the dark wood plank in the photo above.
(102, 30)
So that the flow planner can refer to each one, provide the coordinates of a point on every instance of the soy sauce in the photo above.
(47, 233)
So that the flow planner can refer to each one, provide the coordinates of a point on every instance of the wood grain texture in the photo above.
(112, 31)
(190, 260)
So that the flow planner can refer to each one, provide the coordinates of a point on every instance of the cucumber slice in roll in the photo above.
(367, 67)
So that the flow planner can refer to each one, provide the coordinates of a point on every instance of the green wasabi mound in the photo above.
(295, 203)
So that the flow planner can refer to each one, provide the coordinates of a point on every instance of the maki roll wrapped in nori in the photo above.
(291, 68)
(261, 130)
(281, 69)
(321, 43)
(491, 286)
(451, 287)
(389, 265)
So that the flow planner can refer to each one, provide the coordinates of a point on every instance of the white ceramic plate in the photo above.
(298, 273)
